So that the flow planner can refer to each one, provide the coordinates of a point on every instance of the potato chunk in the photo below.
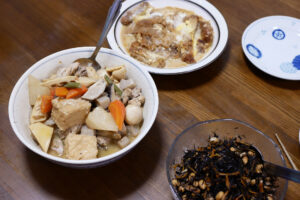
(42, 134)
(81, 147)
(69, 112)
(101, 120)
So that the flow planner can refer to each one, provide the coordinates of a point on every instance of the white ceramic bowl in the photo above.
(200, 7)
(19, 108)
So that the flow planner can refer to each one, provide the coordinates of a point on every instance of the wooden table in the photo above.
(231, 87)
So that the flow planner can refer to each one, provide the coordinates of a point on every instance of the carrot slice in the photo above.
(76, 92)
(117, 110)
(61, 92)
(46, 104)
(52, 91)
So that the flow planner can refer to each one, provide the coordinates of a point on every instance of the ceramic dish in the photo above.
(272, 44)
(198, 134)
(19, 108)
(201, 8)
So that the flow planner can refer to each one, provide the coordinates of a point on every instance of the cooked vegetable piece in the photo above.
(72, 85)
(86, 81)
(81, 147)
(69, 112)
(108, 80)
(117, 110)
(36, 89)
(101, 120)
(58, 81)
(118, 90)
(61, 91)
(46, 104)
(57, 146)
(134, 114)
(120, 73)
(42, 134)
(95, 90)
(36, 114)
(76, 92)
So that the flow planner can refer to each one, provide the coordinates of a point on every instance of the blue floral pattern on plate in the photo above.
(288, 67)
(296, 62)
(254, 51)
(278, 34)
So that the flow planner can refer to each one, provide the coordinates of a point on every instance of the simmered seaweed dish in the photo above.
(79, 113)
(225, 169)
(166, 37)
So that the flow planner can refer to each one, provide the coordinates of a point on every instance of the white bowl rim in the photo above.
(223, 39)
(91, 161)
(243, 40)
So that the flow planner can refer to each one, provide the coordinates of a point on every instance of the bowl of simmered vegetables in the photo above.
(79, 116)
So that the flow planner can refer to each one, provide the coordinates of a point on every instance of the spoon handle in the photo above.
(283, 172)
(113, 13)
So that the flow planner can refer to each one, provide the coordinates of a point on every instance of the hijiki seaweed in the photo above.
(225, 169)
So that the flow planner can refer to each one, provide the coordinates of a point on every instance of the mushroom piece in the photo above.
(134, 114)
(95, 90)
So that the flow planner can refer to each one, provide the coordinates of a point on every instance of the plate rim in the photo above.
(243, 43)
(220, 47)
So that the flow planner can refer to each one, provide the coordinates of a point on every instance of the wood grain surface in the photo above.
(231, 87)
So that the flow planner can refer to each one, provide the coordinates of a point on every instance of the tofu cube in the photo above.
(80, 147)
(67, 113)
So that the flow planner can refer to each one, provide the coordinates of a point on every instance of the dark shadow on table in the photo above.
(195, 78)
(117, 180)
(281, 83)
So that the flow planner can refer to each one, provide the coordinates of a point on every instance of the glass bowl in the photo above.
(198, 134)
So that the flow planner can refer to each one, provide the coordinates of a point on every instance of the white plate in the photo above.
(200, 7)
(272, 44)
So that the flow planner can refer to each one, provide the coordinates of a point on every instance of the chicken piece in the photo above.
(136, 92)
(101, 73)
(124, 84)
(91, 73)
(59, 81)
(103, 101)
(95, 90)
(123, 142)
(80, 147)
(103, 141)
(57, 145)
(36, 114)
(87, 131)
(133, 130)
(73, 130)
(69, 112)
(81, 72)
(126, 95)
(67, 71)
(138, 101)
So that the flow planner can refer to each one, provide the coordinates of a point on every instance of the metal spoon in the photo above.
(283, 172)
(113, 12)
